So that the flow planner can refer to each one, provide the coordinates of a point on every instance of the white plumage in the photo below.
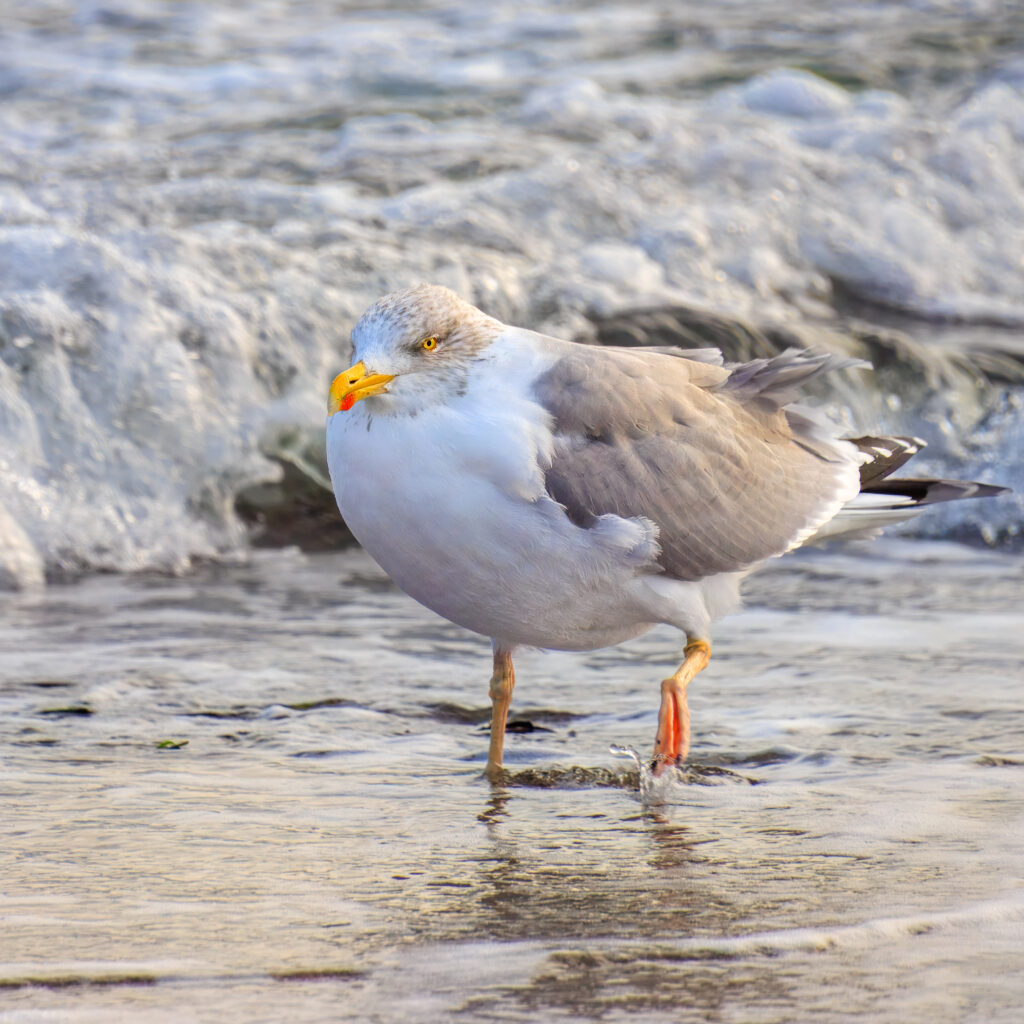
(450, 500)
(549, 494)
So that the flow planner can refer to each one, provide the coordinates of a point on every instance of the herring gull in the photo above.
(558, 495)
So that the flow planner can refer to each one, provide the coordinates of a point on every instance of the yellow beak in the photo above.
(348, 387)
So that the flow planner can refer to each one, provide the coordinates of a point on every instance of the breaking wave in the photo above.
(197, 202)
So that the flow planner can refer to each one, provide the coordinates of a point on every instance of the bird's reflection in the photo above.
(672, 845)
(544, 874)
(495, 810)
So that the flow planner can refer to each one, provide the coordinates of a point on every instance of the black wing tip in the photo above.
(932, 491)
(884, 454)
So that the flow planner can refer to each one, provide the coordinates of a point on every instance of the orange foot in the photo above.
(672, 743)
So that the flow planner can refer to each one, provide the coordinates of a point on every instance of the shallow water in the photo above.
(324, 847)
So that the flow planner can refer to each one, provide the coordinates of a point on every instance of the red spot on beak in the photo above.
(347, 402)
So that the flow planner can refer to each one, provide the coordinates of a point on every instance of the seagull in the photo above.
(553, 494)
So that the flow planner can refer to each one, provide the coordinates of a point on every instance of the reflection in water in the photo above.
(672, 845)
(327, 821)
(496, 808)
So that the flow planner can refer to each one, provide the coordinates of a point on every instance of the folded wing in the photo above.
(711, 455)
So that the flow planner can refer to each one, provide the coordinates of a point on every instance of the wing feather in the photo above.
(709, 454)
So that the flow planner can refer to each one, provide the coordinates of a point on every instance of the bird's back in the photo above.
(713, 456)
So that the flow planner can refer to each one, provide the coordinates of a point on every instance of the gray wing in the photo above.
(710, 454)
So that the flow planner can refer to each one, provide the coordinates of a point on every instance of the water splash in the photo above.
(671, 785)
(654, 789)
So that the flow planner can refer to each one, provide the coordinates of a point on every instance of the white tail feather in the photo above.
(865, 515)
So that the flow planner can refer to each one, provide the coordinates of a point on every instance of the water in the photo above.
(247, 787)
(197, 200)
(324, 845)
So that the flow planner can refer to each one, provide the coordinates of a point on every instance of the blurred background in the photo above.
(198, 199)
(246, 785)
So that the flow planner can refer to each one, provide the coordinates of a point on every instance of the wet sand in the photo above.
(323, 847)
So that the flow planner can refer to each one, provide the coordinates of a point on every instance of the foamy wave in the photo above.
(186, 234)
(864, 935)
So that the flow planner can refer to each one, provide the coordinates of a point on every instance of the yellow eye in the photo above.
(429, 344)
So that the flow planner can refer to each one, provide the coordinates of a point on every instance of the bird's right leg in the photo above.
(503, 680)
(672, 743)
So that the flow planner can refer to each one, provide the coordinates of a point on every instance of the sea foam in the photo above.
(196, 205)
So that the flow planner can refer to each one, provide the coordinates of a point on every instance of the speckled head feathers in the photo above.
(428, 341)
(406, 317)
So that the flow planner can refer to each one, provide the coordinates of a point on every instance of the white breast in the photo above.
(451, 503)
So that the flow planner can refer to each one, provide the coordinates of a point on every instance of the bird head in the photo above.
(412, 349)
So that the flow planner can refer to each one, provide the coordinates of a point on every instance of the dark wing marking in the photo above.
(884, 455)
(931, 491)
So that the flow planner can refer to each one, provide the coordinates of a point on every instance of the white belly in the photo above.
(444, 508)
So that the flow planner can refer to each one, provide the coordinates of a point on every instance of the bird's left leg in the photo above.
(503, 680)
(672, 743)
